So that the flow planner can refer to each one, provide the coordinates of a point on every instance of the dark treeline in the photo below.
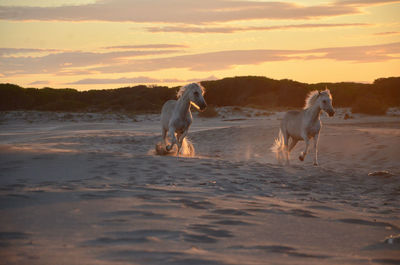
(249, 91)
(129, 99)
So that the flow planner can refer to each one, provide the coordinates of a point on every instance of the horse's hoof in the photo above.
(316, 164)
(168, 148)
(301, 158)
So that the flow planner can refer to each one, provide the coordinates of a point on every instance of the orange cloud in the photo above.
(186, 11)
(176, 11)
(206, 29)
(387, 33)
(40, 82)
(365, 2)
(147, 46)
(133, 80)
(123, 80)
(72, 63)
(64, 62)
(228, 59)
(10, 51)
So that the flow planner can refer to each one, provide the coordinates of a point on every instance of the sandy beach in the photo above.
(84, 188)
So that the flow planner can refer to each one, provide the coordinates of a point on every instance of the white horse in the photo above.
(303, 125)
(176, 117)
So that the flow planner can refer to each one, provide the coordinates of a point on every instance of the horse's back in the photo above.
(166, 112)
(294, 122)
(291, 123)
(291, 115)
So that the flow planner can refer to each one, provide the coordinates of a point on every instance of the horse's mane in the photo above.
(183, 89)
(313, 95)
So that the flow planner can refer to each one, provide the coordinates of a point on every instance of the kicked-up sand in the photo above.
(88, 189)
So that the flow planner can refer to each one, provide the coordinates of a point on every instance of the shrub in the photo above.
(369, 104)
(235, 91)
(62, 105)
(210, 112)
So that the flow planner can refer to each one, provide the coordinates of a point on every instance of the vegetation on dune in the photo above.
(235, 91)
(129, 99)
(369, 105)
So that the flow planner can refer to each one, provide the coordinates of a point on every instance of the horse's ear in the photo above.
(319, 93)
(326, 88)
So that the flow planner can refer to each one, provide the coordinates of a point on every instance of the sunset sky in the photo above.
(95, 44)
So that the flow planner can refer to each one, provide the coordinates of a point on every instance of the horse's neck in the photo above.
(183, 106)
(313, 113)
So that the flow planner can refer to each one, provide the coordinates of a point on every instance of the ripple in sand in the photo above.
(369, 223)
(210, 230)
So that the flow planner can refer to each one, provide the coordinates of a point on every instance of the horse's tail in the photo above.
(278, 146)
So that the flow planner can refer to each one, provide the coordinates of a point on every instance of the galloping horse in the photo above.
(176, 117)
(303, 125)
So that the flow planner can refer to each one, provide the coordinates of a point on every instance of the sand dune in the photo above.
(84, 189)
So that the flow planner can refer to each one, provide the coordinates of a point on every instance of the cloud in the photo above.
(362, 54)
(228, 59)
(365, 2)
(84, 63)
(199, 62)
(123, 80)
(63, 62)
(210, 78)
(186, 11)
(72, 72)
(387, 33)
(194, 29)
(40, 82)
(135, 80)
(177, 11)
(148, 46)
(9, 51)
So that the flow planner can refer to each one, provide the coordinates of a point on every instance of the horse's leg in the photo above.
(307, 141)
(292, 144)
(171, 132)
(178, 143)
(164, 136)
(316, 149)
(285, 146)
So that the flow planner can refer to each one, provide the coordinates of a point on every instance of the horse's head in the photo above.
(325, 102)
(195, 93)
